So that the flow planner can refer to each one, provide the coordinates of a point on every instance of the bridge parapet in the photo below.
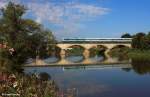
(97, 40)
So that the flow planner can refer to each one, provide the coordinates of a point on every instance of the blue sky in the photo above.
(89, 18)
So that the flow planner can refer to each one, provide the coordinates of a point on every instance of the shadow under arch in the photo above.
(74, 53)
(75, 50)
(120, 46)
(98, 51)
(53, 54)
(119, 51)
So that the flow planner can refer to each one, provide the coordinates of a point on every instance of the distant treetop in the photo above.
(126, 35)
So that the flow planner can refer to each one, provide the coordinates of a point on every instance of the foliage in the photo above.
(4, 62)
(126, 35)
(99, 51)
(75, 50)
(141, 41)
(28, 85)
(141, 66)
(24, 37)
(140, 47)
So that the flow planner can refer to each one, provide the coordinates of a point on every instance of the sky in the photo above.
(89, 18)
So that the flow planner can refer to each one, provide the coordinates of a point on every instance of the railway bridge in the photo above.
(88, 43)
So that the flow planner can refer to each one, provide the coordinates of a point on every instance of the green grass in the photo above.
(135, 54)
(139, 54)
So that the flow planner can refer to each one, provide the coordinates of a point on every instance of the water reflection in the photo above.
(30, 60)
(75, 59)
(97, 58)
(44, 76)
(113, 80)
(52, 59)
(72, 60)
(127, 69)
(141, 67)
(79, 59)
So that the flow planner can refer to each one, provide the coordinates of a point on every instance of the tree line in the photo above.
(140, 40)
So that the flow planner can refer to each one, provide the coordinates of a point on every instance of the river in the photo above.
(104, 80)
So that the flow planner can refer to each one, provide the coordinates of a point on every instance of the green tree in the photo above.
(139, 41)
(24, 36)
(148, 40)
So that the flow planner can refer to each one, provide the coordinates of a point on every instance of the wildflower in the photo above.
(15, 84)
(11, 50)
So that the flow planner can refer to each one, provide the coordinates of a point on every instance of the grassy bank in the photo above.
(135, 54)
(139, 54)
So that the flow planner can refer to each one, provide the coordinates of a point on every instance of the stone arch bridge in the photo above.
(88, 43)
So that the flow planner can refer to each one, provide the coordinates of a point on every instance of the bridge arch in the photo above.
(76, 45)
(97, 49)
(98, 46)
(119, 51)
(120, 46)
(74, 50)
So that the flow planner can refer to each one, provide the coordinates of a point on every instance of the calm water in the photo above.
(122, 80)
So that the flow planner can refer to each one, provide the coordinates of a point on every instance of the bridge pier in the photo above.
(106, 53)
(62, 53)
(86, 53)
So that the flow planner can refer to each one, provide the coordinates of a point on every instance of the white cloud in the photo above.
(47, 11)
(68, 16)
(91, 10)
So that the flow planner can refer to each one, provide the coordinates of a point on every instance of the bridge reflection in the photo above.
(95, 67)
(82, 60)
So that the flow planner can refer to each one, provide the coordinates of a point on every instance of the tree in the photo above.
(24, 37)
(139, 41)
(148, 40)
(126, 35)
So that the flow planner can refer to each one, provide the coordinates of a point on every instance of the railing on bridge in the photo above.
(97, 40)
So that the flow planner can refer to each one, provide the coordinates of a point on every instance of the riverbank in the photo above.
(134, 54)
(77, 64)
(29, 85)
(24, 85)
(139, 54)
